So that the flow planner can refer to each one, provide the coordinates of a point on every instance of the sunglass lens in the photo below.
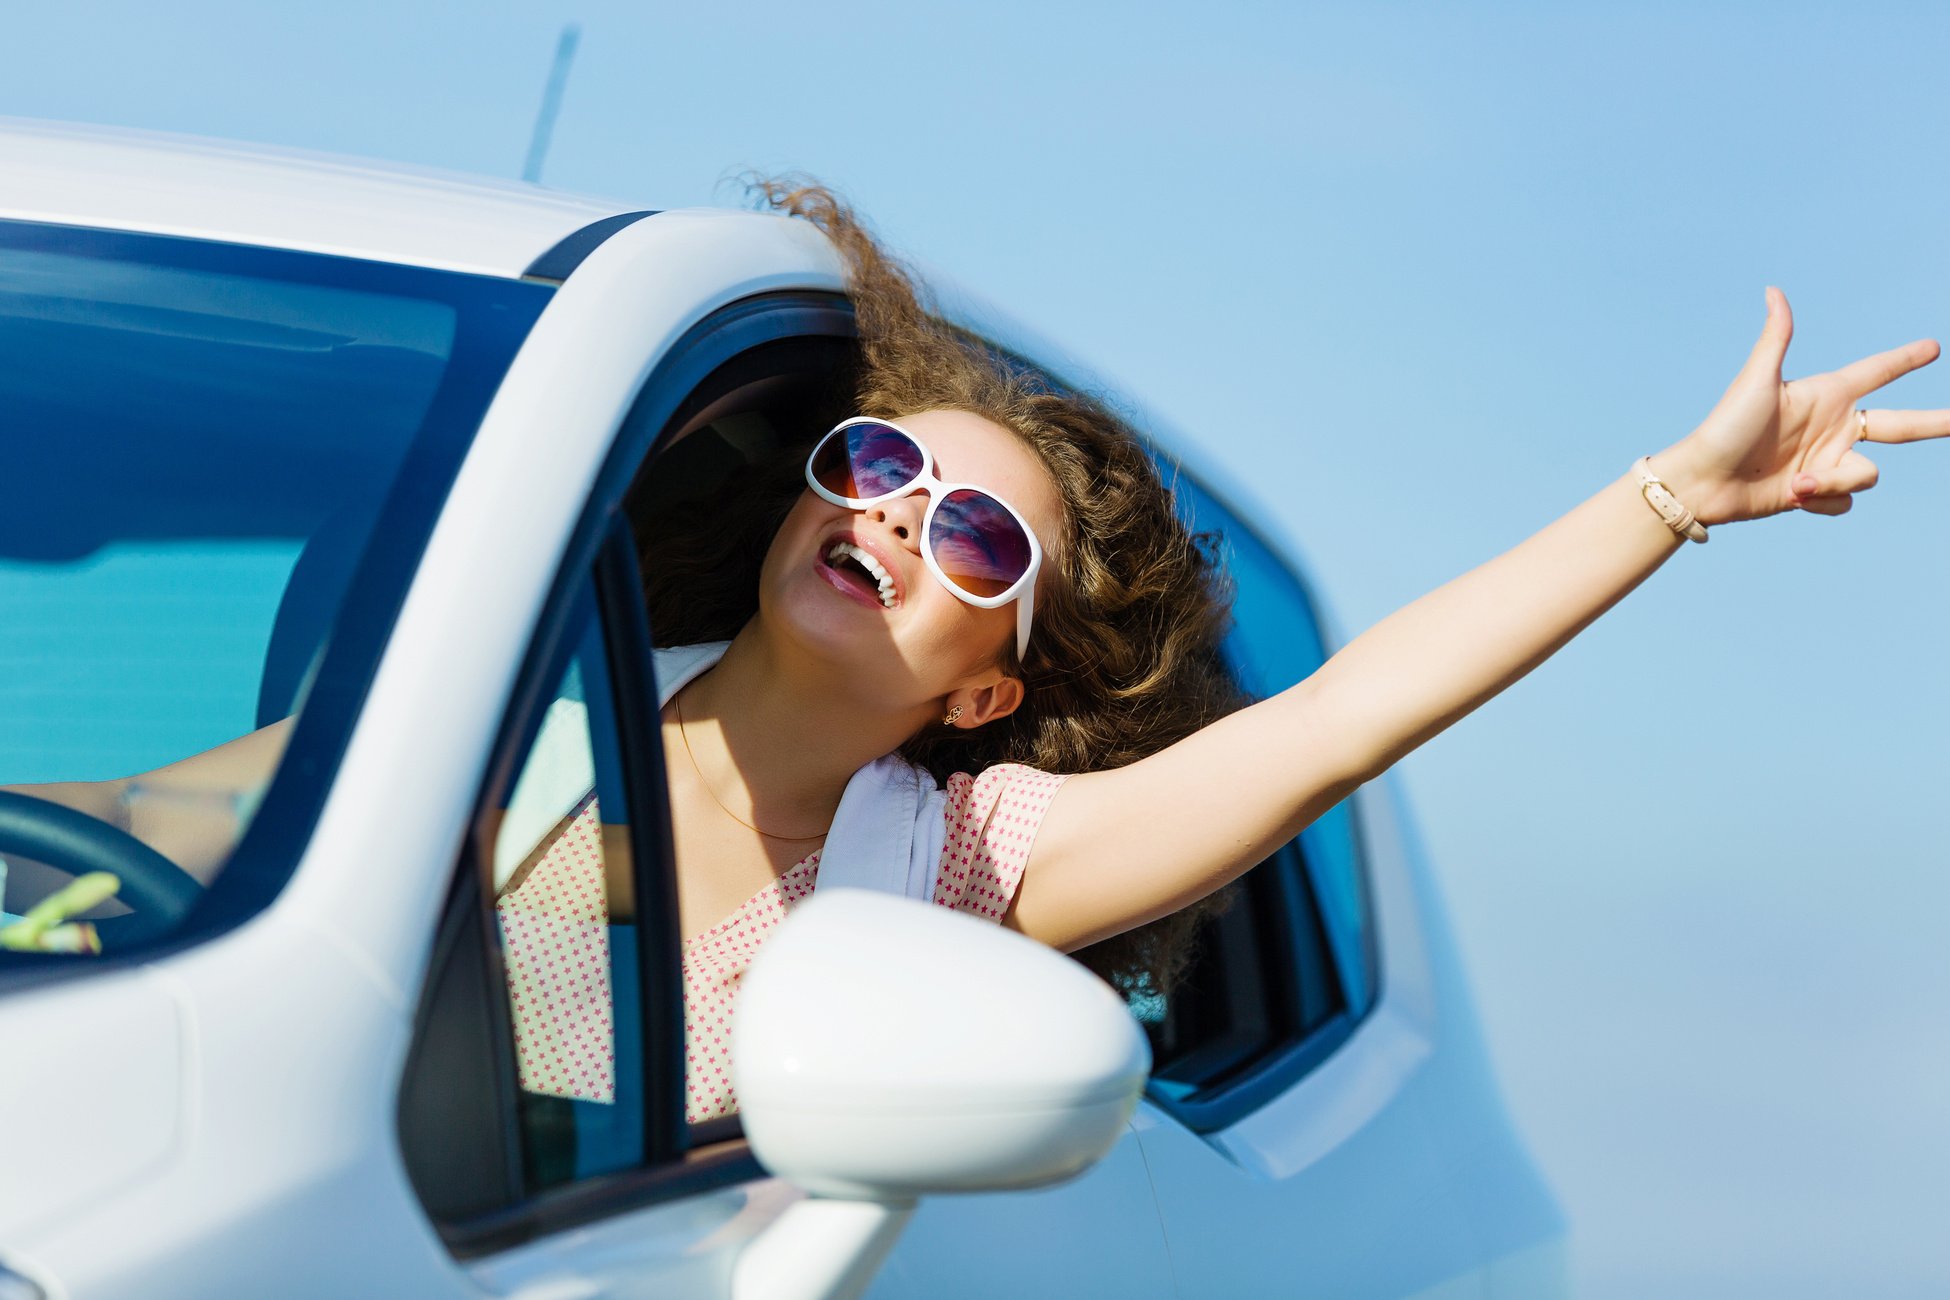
(863, 461)
(978, 543)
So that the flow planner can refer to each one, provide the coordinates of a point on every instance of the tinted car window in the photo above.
(219, 462)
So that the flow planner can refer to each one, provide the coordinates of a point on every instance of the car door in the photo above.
(541, 1106)
(550, 1149)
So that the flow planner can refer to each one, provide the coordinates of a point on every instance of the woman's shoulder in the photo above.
(1005, 795)
(991, 819)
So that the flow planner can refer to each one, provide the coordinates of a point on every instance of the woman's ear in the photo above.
(971, 706)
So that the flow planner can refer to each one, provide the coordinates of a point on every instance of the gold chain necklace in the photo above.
(675, 703)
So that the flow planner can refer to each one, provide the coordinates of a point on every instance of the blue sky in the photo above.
(1419, 278)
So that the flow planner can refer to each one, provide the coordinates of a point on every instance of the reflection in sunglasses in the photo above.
(978, 543)
(869, 460)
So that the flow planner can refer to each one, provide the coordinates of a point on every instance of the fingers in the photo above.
(1871, 373)
(1908, 426)
(1828, 492)
(1827, 505)
(1770, 350)
(1854, 472)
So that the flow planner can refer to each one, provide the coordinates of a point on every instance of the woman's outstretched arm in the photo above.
(1124, 847)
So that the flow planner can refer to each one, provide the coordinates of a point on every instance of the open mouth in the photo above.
(860, 569)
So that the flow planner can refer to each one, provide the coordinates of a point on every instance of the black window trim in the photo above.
(559, 261)
(1281, 1065)
(1227, 1104)
(679, 1162)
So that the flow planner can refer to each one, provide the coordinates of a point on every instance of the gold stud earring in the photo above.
(953, 714)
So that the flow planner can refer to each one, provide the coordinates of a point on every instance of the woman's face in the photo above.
(923, 641)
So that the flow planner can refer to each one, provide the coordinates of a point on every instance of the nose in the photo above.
(902, 517)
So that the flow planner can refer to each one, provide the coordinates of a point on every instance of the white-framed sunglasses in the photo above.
(976, 544)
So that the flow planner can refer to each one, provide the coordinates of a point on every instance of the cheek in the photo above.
(961, 635)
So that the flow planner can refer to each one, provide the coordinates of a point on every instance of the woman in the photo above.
(846, 643)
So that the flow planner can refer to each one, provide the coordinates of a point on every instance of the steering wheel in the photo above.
(160, 892)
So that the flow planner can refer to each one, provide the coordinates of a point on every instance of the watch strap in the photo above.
(1660, 498)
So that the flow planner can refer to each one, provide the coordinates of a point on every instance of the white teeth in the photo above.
(842, 550)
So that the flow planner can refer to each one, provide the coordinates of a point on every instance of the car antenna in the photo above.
(558, 77)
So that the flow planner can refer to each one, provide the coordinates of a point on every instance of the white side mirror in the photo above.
(885, 1049)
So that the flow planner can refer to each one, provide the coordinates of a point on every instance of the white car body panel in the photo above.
(279, 1132)
(119, 1052)
(1096, 1236)
(312, 202)
(680, 1248)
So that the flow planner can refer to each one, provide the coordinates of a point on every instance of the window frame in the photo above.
(618, 623)
(679, 1160)
(1239, 1090)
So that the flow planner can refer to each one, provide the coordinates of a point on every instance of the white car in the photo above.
(291, 434)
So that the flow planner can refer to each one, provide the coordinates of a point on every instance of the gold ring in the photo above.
(1862, 424)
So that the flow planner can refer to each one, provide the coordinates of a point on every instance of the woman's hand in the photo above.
(1771, 446)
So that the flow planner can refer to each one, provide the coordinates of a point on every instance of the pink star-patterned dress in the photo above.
(556, 944)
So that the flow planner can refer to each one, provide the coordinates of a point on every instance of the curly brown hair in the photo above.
(1124, 659)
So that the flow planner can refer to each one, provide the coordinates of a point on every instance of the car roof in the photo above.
(125, 179)
(122, 179)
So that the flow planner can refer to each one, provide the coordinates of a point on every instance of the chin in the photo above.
(821, 625)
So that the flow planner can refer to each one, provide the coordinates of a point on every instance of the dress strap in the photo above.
(888, 832)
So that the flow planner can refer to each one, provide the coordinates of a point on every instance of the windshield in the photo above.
(217, 467)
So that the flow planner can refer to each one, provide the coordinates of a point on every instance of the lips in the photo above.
(861, 570)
